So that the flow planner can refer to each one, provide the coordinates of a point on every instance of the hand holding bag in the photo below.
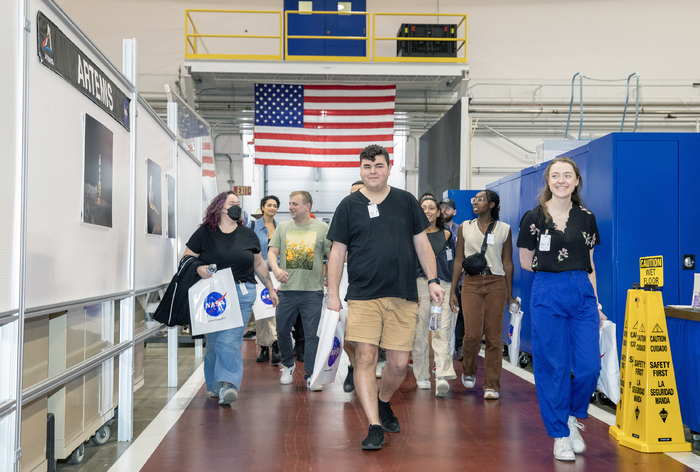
(214, 304)
(330, 346)
(262, 308)
(475, 263)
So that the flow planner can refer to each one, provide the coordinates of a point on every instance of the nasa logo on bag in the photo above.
(335, 352)
(215, 304)
(265, 297)
(510, 335)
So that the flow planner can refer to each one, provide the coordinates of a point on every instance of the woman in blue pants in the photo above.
(556, 242)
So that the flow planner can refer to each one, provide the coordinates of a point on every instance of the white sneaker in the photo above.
(562, 450)
(287, 372)
(423, 384)
(575, 438)
(468, 380)
(441, 387)
(379, 369)
(490, 394)
(315, 388)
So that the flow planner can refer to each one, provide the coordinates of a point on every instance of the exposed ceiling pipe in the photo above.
(508, 139)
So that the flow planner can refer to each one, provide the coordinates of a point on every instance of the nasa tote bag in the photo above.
(330, 346)
(262, 308)
(214, 304)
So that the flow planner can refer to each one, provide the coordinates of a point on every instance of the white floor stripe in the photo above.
(688, 459)
(142, 448)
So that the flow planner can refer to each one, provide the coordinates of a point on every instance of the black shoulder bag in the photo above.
(476, 263)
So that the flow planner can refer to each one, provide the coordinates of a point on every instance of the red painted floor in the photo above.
(285, 427)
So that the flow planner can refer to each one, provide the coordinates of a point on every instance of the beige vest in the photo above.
(473, 239)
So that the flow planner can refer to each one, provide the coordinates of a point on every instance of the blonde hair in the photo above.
(305, 197)
(546, 194)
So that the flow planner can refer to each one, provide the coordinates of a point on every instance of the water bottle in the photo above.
(435, 316)
(514, 307)
(211, 269)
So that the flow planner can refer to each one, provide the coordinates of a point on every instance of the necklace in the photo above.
(483, 224)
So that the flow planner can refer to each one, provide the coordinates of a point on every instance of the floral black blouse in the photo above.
(568, 250)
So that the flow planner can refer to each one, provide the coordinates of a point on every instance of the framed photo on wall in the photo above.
(97, 177)
(154, 209)
(171, 206)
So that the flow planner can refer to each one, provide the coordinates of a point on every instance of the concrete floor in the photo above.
(149, 400)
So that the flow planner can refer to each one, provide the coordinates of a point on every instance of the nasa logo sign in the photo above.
(510, 335)
(335, 352)
(215, 304)
(265, 297)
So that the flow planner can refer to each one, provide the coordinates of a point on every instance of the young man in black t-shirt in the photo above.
(382, 229)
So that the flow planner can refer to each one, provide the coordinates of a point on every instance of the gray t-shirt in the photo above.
(301, 253)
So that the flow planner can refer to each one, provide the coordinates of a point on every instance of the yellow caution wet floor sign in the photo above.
(648, 414)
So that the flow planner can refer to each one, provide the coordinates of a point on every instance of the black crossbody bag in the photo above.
(476, 263)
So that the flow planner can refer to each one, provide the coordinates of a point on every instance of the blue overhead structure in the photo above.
(643, 190)
(301, 24)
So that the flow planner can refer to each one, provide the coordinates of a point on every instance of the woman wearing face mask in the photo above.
(484, 295)
(224, 240)
(443, 247)
(556, 242)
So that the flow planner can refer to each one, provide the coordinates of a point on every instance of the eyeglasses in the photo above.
(478, 200)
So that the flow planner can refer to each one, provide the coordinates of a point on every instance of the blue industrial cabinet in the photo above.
(463, 203)
(643, 189)
(304, 24)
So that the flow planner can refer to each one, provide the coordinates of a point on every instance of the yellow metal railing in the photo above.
(463, 40)
(192, 44)
(364, 38)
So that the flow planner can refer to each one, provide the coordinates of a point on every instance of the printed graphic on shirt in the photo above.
(300, 248)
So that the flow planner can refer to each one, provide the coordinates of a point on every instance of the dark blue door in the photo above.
(327, 25)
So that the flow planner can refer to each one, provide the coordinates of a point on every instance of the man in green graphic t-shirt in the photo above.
(301, 242)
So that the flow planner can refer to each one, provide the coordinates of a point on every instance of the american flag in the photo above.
(321, 125)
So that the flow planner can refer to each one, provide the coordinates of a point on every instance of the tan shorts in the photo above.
(389, 323)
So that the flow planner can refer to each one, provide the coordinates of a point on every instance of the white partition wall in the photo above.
(60, 255)
(68, 259)
(154, 252)
(11, 157)
(189, 192)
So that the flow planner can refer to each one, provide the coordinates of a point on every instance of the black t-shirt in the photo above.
(235, 250)
(569, 250)
(381, 254)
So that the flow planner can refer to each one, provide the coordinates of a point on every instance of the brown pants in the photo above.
(484, 299)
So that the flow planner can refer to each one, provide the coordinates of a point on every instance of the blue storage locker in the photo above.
(463, 203)
(643, 190)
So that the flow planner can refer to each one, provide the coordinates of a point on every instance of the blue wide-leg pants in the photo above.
(565, 336)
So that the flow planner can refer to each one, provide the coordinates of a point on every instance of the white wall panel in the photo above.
(10, 158)
(154, 253)
(66, 258)
(189, 197)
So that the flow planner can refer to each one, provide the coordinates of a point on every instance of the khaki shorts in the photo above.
(389, 323)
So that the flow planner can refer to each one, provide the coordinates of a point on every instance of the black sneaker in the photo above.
(390, 422)
(375, 438)
(275, 356)
(264, 354)
(249, 335)
(349, 384)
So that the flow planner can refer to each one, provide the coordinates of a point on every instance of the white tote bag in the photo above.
(516, 320)
(330, 346)
(262, 308)
(214, 304)
(609, 380)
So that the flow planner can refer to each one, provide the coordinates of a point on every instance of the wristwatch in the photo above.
(600, 307)
(434, 281)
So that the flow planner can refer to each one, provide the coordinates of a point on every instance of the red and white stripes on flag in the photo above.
(321, 125)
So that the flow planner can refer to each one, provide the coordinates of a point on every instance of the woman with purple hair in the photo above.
(224, 240)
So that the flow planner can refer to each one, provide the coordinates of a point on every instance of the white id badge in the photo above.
(490, 239)
(244, 290)
(545, 242)
(373, 210)
(449, 254)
